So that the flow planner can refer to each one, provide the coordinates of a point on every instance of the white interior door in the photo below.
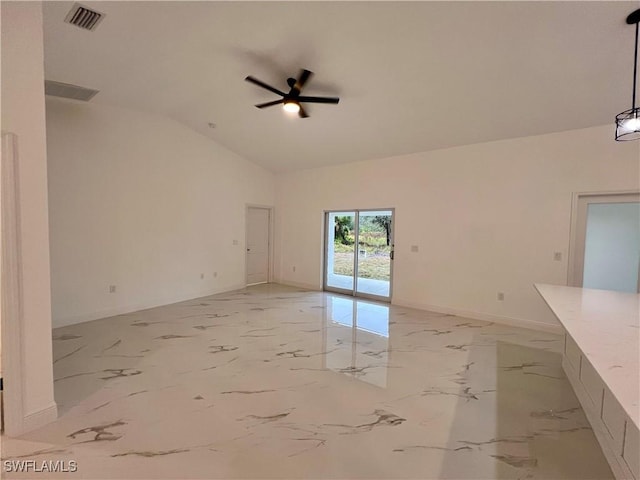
(607, 242)
(258, 222)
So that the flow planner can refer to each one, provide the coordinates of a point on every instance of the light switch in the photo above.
(414, 248)
(557, 256)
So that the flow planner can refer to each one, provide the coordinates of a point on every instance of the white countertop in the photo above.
(606, 327)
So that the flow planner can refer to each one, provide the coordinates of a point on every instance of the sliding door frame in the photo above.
(325, 259)
(329, 228)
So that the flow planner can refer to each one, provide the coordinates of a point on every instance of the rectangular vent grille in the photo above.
(83, 17)
(65, 90)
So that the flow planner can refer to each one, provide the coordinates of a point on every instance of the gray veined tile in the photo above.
(113, 345)
(277, 382)
(69, 354)
(67, 336)
(149, 454)
(385, 419)
(98, 433)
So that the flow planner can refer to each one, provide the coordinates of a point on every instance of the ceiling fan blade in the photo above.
(305, 75)
(302, 113)
(270, 104)
(333, 100)
(264, 85)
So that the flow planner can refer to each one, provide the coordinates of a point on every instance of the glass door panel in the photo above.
(341, 246)
(375, 245)
(611, 250)
(605, 241)
(359, 252)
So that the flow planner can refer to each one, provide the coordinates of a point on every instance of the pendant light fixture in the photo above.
(628, 122)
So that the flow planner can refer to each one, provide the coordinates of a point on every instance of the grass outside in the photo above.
(375, 265)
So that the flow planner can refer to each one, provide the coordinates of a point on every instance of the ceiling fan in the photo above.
(291, 101)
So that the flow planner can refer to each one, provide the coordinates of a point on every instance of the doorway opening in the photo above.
(258, 242)
(605, 242)
(358, 256)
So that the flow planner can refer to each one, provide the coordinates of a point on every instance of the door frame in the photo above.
(575, 268)
(354, 292)
(270, 209)
(11, 299)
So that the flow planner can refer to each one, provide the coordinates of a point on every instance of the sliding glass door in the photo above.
(359, 252)
(340, 250)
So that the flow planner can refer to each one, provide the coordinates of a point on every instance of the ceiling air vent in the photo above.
(65, 90)
(84, 17)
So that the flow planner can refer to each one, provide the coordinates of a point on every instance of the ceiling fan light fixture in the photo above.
(291, 106)
(628, 122)
(292, 101)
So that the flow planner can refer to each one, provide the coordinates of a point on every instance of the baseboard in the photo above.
(305, 286)
(111, 312)
(487, 317)
(35, 420)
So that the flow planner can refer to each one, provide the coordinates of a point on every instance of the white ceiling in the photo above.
(412, 76)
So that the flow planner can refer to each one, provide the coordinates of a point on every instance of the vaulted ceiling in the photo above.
(412, 76)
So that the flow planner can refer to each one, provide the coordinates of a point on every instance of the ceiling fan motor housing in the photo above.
(292, 101)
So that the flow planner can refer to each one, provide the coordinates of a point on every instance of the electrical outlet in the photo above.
(235, 242)
(112, 289)
(557, 256)
(500, 296)
(414, 248)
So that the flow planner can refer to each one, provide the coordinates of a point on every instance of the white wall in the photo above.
(143, 203)
(486, 217)
(612, 247)
(23, 113)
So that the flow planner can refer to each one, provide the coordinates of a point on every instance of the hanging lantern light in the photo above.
(628, 122)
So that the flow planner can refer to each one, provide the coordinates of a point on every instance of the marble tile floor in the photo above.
(276, 382)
